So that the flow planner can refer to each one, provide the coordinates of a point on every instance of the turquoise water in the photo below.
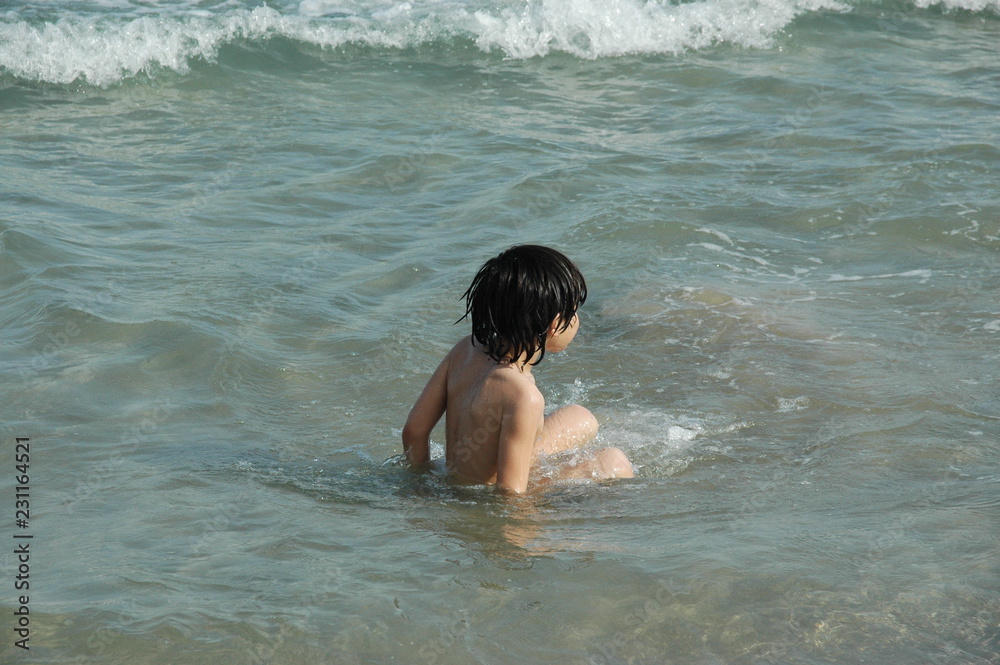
(233, 239)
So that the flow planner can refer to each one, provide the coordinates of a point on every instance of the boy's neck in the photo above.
(521, 363)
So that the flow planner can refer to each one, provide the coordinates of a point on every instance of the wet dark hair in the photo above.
(516, 295)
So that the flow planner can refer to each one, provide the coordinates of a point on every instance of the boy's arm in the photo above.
(424, 415)
(516, 452)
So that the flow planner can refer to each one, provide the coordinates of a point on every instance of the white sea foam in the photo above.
(718, 234)
(923, 274)
(104, 50)
(105, 41)
(591, 28)
(104, 47)
(968, 5)
(722, 250)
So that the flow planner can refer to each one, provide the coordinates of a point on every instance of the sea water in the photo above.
(233, 238)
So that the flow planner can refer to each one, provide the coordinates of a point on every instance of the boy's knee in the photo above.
(582, 419)
(568, 427)
(615, 463)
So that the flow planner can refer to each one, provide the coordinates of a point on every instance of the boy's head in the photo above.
(517, 295)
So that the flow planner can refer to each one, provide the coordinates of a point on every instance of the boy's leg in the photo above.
(605, 464)
(568, 427)
(572, 427)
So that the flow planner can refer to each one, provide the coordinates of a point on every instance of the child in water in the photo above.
(523, 303)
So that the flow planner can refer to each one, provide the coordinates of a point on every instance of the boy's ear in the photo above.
(553, 327)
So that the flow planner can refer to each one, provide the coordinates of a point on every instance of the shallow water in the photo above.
(232, 245)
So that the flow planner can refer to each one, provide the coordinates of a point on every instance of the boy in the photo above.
(522, 303)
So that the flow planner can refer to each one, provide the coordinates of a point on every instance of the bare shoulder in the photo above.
(518, 388)
(471, 372)
(461, 353)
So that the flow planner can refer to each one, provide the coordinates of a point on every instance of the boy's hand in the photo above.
(424, 415)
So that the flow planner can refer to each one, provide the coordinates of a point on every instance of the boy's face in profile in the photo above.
(560, 339)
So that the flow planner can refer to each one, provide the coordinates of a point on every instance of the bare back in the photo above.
(495, 423)
(481, 396)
